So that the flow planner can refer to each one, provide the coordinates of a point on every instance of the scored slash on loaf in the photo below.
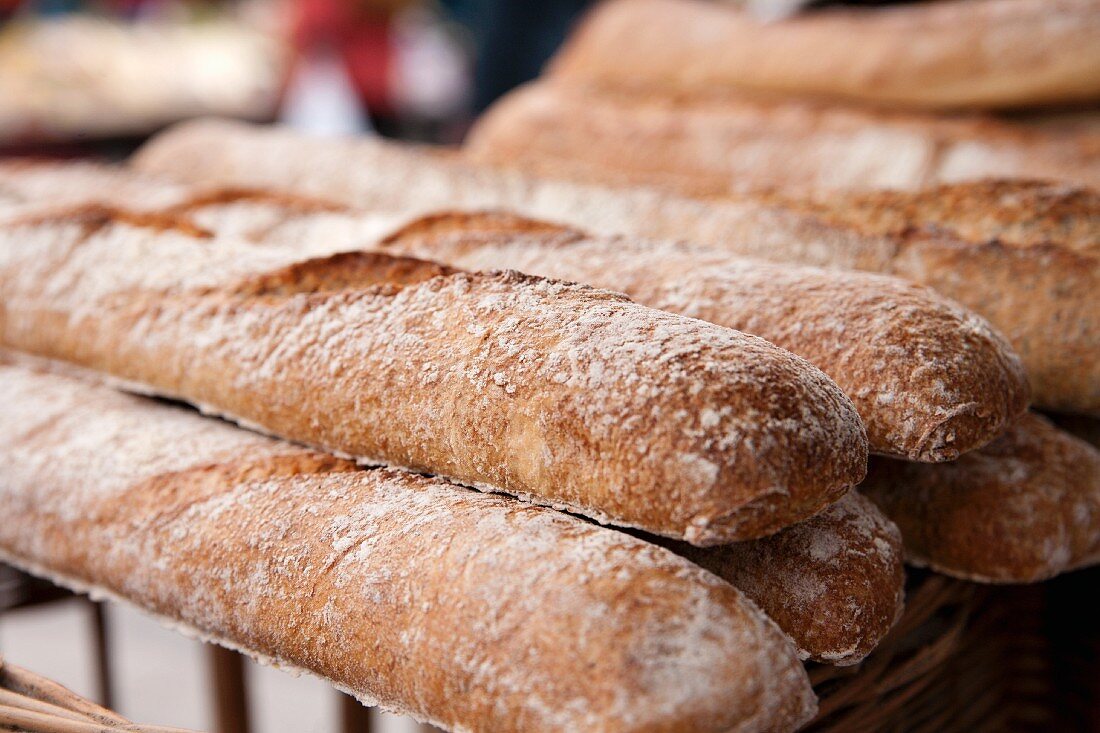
(559, 393)
(426, 598)
(978, 249)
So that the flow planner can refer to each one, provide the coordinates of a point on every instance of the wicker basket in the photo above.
(962, 658)
(30, 702)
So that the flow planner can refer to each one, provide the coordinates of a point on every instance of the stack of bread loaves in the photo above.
(480, 485)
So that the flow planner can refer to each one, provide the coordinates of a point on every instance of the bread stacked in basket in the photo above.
(539, 448)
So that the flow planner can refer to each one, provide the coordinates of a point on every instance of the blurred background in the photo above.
(80, 77)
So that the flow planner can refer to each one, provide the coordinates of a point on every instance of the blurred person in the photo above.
(380, 63)
(513, 39)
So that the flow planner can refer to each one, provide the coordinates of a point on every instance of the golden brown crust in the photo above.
(473, 611)
(1020, 213)
(944, 55)
(930, 380)
(555, 392)
(1023, 509)
(835, 583)
(1054, 326)
(742, 144)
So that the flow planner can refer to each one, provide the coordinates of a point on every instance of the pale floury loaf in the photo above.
(930, 55)
(739, 144)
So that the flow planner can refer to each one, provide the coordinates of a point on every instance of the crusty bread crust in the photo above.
(742, 144)
(1045, 298)
(944, 55)
(555, 392)
(27, 186)
(473, 611)
(1023, 509)
(836, 582)
(930, 380)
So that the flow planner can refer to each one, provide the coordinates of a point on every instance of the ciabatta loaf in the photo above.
(1023, 509)
(743, 144)
(473, 611)
(927, 55)
(1024, 255)
(556, 392)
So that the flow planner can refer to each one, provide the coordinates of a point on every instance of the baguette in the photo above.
(930, 380)
(1038, 283)
(28, 186)
(1023, 509)
(741, 144)
(472, 611)
(835, 582)
(934, 56)
(555, 392)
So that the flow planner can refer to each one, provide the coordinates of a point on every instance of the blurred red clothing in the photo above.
(359, 33)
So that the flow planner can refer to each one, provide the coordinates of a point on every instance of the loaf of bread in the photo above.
(1025, 508)
(929, 55)
(555, 392)
(929, 379)
(473, 611)
(835, 582)
(743, 144)
(1023, 255)
(27, 186)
